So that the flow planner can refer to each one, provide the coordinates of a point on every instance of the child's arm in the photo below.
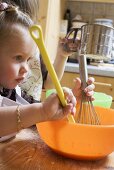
(59, 63)
(50, 109)
(8, 118)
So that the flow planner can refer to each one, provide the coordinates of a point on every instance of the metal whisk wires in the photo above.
(87, 113)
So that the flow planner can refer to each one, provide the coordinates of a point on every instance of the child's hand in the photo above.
(53, 109)
(67, 47)
(88, 90)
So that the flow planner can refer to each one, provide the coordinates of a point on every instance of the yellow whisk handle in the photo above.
(36, 33)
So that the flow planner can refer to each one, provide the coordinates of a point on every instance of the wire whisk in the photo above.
(86, 113)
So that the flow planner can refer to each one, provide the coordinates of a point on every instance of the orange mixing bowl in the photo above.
(79, 141)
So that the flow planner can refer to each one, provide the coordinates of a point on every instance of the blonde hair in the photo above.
(12, 15)
(30, 7)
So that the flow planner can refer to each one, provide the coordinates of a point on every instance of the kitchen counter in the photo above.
(94, 70)
(28, 152)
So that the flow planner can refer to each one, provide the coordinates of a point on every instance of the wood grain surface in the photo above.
(28, 152)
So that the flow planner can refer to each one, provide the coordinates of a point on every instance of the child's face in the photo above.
(15, 52)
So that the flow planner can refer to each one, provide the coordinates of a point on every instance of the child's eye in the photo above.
(18, 58)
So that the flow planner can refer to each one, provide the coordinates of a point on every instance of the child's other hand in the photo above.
(67, 47)
(89, 90)
(53, 109)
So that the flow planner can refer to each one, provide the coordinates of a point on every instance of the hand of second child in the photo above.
(67, 47)
(77, 90)
(53, 109)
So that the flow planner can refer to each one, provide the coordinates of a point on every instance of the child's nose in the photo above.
(24, 68)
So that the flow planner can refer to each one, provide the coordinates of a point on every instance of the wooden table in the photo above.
(28, 152)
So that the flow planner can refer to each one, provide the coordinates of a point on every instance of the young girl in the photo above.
(16, 51)
(31, 91)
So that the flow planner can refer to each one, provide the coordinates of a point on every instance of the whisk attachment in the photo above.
(87, 113)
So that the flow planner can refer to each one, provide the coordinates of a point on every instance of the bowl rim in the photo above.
(79, 124)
